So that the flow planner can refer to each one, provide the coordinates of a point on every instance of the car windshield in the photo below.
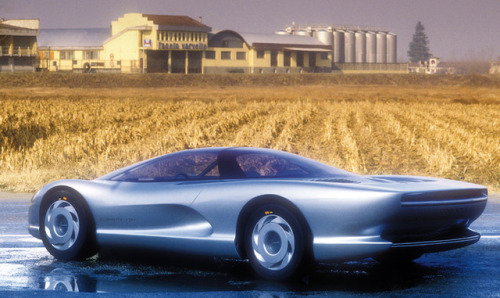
(229, 163)
(175, 166)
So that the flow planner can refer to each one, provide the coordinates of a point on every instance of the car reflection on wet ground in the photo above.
(27, 267)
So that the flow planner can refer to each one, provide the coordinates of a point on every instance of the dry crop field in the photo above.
(76, 126)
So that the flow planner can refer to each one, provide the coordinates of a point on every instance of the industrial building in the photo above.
(179, 44)
(18, 45)
(354, 48)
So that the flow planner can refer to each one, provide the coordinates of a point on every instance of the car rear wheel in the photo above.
(274, 242)
(64, 227)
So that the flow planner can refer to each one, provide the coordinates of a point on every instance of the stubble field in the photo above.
(52, 127)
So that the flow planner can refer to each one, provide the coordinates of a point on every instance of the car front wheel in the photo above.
(64, 227)
(274, 242)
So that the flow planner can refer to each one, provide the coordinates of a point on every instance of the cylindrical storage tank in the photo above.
(360, 47)
(381, 47)
(324, 36)
(350, 47)
(371, 47)
(338, 46)
(392, 48)
(302, 33)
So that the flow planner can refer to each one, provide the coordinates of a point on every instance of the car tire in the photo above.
(64, 227)
(274, 242)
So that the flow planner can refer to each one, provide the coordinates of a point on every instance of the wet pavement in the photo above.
(27, 269)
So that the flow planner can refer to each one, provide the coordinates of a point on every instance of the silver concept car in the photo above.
(277, 209)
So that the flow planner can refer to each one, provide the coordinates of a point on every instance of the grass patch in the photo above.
(55, 126)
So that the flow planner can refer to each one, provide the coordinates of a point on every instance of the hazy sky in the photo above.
(457, 29)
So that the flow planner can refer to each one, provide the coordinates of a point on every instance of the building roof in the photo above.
(73, 38)
(166, 22)
(275, 41)
(9, 29)
(173, 20)
(254, 39)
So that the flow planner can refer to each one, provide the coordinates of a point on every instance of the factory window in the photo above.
(90, 55)
(324, 56)
(241, 56)
(210, 55)
(312, 59)
(225, 55)
(66, 55)
(286, 59)
(300, 59)
(274, 58)
(260, 54)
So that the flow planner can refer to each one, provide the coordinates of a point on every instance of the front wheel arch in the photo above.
(91, 240)
(255, 203)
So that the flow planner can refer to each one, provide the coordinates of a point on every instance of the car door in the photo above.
(155, 198)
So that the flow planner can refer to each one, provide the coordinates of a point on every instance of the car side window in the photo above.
(266, 165)
(180, 166)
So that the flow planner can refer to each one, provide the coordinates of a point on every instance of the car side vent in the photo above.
(337, 180)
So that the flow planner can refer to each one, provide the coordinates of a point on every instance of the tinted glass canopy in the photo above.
(226, 163)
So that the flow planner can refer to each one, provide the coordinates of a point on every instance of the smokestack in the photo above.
(200, 18)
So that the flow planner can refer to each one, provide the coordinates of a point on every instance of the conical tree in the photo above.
(419, 49)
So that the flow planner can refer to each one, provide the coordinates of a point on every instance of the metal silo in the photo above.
(350, 47)
(392, 48)
(381, 47)
(324, 36)
(360, 37)
(338, 46)
(371, 47)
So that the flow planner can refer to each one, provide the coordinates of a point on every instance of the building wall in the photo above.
(224, 59)
(125, 48)
(129, 20)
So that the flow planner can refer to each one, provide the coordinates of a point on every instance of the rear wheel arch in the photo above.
(255, 203)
